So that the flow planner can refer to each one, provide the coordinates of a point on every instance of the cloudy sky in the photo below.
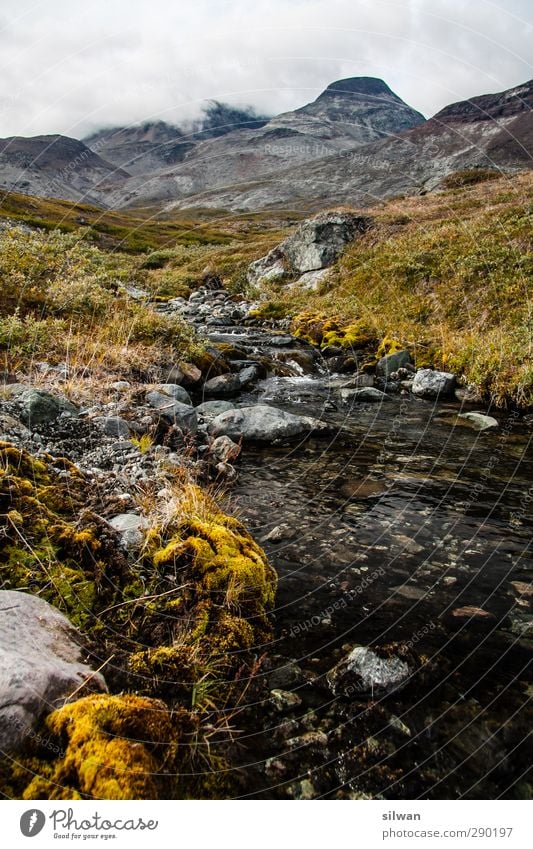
(72, 66)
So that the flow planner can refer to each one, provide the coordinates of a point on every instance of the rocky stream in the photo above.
(399, 525)
(402, 535)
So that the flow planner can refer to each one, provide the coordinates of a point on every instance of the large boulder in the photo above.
(315, 245)
(41, 665)
(320, 240)
(262, 423)
(431, 384)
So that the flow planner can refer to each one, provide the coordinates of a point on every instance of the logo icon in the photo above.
(32, 822)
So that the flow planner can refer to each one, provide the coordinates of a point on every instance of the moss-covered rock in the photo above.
(111, 747)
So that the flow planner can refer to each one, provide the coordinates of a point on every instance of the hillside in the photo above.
(449, 273)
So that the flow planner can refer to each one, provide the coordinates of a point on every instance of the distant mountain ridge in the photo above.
(355, 143)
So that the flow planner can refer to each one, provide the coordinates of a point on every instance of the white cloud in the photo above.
(73, 66)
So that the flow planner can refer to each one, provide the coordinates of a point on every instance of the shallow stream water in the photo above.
(384, 533)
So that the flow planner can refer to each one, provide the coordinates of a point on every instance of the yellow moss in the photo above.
(114, 748)
(388, 345)
(353, 336)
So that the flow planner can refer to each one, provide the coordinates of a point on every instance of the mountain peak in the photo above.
(372, 86)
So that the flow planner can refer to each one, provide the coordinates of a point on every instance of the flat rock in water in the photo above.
(40, 665)
(367, 393)
(262, 423)
(479, 421)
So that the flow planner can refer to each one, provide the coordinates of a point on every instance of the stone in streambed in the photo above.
(114, 426)
(367, 394)
(432, 385)
(212, 409)
(224, 450)
(479, 421)
(41, 407)
(40, 665)
(223, 386)
(262, 423)
(365, 672)
(390, 363)
(178, 393)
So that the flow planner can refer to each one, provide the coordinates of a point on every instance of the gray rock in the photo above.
(360, 381)
(114, 426)
(223, 449)
(287, 675)
(315, 245)
(269, 267)
(367, 393)
(480, 421)
(40, 665)
(130, 526)
(320, 240)
(174, 412)
(178, 393)
(280, 533)
(41, 407)
(468, 394)
(248, 375)
(392, 362)
(365, 673)
(264, 424)
(311, 280)
(212, 409)
(223, 386)
(431, 384)
(127, 522)
(186, 374)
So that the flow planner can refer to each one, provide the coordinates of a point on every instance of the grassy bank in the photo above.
(447, 275)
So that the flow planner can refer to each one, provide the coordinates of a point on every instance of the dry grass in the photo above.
(449, 274)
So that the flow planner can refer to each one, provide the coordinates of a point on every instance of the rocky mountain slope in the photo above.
(347, 114)
(356, 143)
(56, 166)
(492, 131)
